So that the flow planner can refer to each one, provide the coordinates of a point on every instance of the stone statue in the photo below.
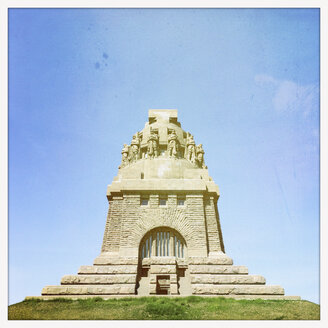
(125, 156)
(191, 153)
(172, 144)
(152, 149)
(200, 157)
(134, 149)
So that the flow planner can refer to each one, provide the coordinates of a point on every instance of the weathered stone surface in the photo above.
(115, 261)
(182, 262)
(226, 279)
(152, 289)
(99, 279)
(173, 289)
(143, 287)
(164, 260)
(211, 260)
(153, 278)
(89, 289)
(236, 289)
(162, 269)
(107, 269)
(223, 269)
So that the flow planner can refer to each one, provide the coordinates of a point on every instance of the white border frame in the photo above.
(6, 4)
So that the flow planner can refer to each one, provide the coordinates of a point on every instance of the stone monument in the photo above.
(163, 233)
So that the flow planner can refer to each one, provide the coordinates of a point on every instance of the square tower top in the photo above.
(166, 115)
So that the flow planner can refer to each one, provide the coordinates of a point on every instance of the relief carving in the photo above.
(191, 152)
(152, 149)
(134, 149)
(125, 156)
(200, 157)
(172, 147)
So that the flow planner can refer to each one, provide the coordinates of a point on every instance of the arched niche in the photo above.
(162, 242)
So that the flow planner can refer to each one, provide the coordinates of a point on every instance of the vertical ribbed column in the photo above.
(212, 222)
(111, 240)
(172, 201)
(153, 201)
(153, 248)
(130, 217)
(104, 247)
(171, 245)
(196, 217)
(219, 225)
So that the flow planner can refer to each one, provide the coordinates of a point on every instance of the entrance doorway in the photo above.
(163, 258)
(163, 285)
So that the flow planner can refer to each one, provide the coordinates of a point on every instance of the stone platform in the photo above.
(202, 276)
(107, 297)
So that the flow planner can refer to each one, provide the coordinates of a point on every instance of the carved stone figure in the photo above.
(152, 149)
(125, 156)
(190, 148)
(200, 157)
(172, 147)
(134, 149)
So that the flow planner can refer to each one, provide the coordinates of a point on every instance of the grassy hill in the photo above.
(164, 308)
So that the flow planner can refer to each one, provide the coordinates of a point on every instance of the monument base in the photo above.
(107, 297)
(164, 276)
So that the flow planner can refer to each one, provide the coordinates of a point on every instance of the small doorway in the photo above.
(163, 285)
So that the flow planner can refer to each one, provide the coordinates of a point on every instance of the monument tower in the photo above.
(163, 233)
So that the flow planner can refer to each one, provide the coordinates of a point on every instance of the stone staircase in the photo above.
(217, 276)
(203, 276)
(108, 277)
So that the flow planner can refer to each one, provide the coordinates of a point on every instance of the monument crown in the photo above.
(163, 137)
(163, 114)
(159, 154)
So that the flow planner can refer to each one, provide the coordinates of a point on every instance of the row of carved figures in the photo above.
(193, 153)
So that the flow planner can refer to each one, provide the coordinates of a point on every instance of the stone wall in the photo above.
(112, 235)
(128, 221)
(212, 225)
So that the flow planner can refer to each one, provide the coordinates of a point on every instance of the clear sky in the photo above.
(246, 85)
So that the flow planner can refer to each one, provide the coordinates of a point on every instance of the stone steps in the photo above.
(218, 269)
(226, 279)
(104, 260)
(86, 279)
(220, 260)
(108, 269)
(111, 296)
(89, 289)
(201, 289)
(202, 276)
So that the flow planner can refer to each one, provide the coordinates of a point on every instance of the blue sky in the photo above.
(246, 85)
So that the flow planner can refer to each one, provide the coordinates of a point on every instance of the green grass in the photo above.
(164, 308)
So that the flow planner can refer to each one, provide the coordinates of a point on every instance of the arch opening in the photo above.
(162, 242)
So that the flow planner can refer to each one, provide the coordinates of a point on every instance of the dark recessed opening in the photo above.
(163, 285)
